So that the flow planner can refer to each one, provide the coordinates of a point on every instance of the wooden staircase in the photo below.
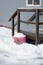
(29, 21)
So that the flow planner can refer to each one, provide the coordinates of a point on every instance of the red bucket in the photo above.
(19, 38)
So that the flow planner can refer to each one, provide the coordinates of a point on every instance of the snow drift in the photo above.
(23, 54)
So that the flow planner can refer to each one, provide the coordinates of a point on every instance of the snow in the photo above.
(14, 54)
(19, 35)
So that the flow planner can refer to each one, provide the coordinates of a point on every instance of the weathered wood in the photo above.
(12, 26)
(15, 13)
(18, 13)
(34, 16)
(26, 10)
(27, 22)
(31, 35)
(41, 10)
(40, 23)
(37, 27)
(38, 12)
(30, 9)
(31, 22)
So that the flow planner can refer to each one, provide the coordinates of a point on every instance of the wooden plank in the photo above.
(26, 10)
(30, 9)
(37, 27)
(34, 16)
(41, 23)
(14, 14)
(27, 22)
(31, 22)
(28, 34)
(41, 10)
(31, 35)
(12, 26)
(18, 13)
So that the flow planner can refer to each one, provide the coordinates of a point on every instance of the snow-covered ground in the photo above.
(23, 54)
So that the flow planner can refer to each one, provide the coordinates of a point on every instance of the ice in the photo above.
(14, 54)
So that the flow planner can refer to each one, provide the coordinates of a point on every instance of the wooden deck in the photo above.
(32, 35)
(37, 37)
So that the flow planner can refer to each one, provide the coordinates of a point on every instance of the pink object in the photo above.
(19, 40)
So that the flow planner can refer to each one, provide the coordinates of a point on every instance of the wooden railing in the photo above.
(13, 24)
(31, 22)
(36, 14)
(13, 16)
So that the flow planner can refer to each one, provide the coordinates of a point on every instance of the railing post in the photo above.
(18, 14)
(12, 26)
(37, 27)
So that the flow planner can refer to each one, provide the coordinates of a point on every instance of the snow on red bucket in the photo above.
(19, 38)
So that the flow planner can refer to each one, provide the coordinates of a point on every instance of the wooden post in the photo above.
(12, 26)
(37, 27)
(18, 13)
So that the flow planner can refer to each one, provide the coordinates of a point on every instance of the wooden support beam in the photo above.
(12, 26)
(26, 10)
(31, 22)
(27, 22)
(30, 9)
(18, 13)
(34, 16)
(37, 27)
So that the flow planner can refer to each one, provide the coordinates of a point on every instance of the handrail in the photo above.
(30, 22)
(31, 18)
(34, 16)
(14, 15)
(30, 9)
(27, 22)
